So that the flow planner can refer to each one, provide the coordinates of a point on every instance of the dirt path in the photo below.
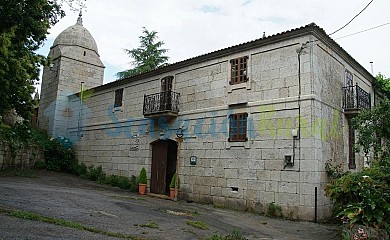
(112, 210)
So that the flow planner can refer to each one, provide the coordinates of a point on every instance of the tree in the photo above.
(374, 126)
(147, 57)
(23, 29)
(383, 85)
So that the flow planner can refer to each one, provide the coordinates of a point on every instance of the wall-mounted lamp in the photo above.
(51, 66)
(162, 136)
(294, 133)
(179, 133)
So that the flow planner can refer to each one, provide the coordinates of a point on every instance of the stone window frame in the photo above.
(348, 78)
(118, 100)
(238, 127)
(243, 82)
(239, 70)
(167, 83)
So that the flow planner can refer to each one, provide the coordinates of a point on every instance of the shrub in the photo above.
(333, 169)
(112, 180)
(274, 210)
(39, 165)
(80, 169)
(118, 181)
(123, 182)
(96, 174)
(58, 158)
(172, 184)
(134, 184)
(363, 197)
(142, 176)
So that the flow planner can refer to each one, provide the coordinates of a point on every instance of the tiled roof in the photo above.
(311, 28)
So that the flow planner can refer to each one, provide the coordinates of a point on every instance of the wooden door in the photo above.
(159, 167)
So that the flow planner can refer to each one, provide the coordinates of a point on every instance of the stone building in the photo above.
(259, 119)
(75, 61)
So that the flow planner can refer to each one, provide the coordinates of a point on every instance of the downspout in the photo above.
(299, 104)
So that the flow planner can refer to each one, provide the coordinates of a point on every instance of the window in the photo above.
(238, 70)
(349, 99)
(348, 78)
(237, 127)
(166, 84)
(118, 98)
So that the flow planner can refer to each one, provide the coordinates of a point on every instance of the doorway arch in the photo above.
(164, 157)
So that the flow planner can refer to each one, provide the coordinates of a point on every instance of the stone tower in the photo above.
(75, 60)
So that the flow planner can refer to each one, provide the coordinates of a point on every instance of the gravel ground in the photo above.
(109, 209)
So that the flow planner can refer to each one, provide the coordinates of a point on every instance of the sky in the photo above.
(193, 27)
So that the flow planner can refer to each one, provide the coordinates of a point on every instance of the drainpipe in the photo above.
(79, 134)
(298, 138)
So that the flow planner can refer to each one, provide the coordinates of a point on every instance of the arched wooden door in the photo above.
(164, 154)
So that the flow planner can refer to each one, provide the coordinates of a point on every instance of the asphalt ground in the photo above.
(106, 212)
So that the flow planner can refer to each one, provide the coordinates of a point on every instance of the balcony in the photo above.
(355, 99)
(163, 104)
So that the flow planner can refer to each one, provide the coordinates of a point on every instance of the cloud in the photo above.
(191, 28)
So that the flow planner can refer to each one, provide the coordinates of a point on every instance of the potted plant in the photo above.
(142, 182)
(172, 186)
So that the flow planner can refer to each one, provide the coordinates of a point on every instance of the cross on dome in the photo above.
(80, 19)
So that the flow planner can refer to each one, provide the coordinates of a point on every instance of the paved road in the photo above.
(110, 209)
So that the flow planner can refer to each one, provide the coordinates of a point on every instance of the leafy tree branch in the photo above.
(147, 57)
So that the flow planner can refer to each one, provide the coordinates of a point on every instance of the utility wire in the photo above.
(363, 31)
(352, 19)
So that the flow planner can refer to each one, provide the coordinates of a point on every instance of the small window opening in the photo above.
(85, 53)
(118, 98)
(238, 70)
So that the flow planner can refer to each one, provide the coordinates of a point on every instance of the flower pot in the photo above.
(172, 193)
(141, 188)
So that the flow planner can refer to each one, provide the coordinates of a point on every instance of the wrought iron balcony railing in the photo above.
(160, 104)
(355, 98)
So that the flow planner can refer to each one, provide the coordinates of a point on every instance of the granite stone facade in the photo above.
(294, 84)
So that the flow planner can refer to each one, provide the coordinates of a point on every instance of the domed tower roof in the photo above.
(76, 35)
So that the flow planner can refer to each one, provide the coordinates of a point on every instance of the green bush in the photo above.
(134, 184)
(96, 174)
(363, 197)
(112, 180)
(39, 165)
(59, 158)
(142, 176)
(172, 184)
(80, 169)
(274, 210)
(118, 181)
(123, 182)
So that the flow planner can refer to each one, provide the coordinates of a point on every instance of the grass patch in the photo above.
(61, 222)
(235, 235)
(194, 213)
(152, 224)
(129, 198)
(25, 173)
(198, 224)
(274, 210)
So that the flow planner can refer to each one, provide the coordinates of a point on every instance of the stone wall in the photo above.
(23, 158)
(242, 175)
